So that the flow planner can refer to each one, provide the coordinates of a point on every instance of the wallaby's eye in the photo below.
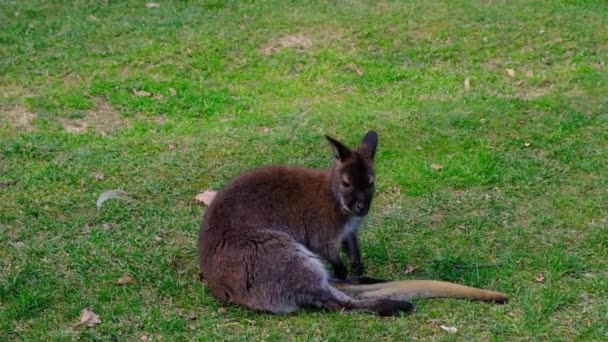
(345, 184)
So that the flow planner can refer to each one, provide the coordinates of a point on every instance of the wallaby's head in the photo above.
(353, 177)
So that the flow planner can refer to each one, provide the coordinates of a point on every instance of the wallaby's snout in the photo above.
(360, 207)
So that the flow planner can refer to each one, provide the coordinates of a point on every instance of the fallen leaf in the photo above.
(18, 244)
(143, 337)
(89, 318)
(158, 96)
(206, 196)
(467, 83)
(141, 93)
(222, 310)
(8, 183)
(152, 5)
(112, 194)
(93, 18)
(436, 166)
(449, 329)
(171, 147)
(126, 279)
(530, 73)
(410, 268)
(540, 278)
(172, 91)
(483, 120)
(526, 144)
(355, 68)
(99, 175)
(395, 190)
(157, 238)
(265, 130)
(192, 317)
(511, 72)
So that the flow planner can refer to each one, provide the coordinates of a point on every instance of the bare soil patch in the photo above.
(103, 119)
(20, 118)
(296, 41)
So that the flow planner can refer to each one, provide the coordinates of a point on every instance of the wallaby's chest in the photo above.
(351, 225)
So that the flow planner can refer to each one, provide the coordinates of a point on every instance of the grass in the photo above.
(523, 184)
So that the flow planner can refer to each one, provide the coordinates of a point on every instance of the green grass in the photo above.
(523, 186)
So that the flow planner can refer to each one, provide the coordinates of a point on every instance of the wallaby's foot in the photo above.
(357, 269)
(370, 280)
(389, 307)
(358, 280)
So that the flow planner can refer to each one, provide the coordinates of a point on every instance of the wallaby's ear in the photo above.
(369, 144)
(341, 152)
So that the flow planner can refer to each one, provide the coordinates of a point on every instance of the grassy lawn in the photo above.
(164, 102)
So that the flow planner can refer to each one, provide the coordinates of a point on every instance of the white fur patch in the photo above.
(312, 260)
(352, 225)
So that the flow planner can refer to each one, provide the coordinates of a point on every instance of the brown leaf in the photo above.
(157, 238)
(540, 278)
(355, 68)
(511, 72)
(530, 73)
(141, 93)
(222, 310)
(99, 175)
(266, 130)
(171, 147)
(436, 166)
(206, 197)
(152, 5)
(126, 279)
(172, 91)
(467, 83)
(144, 337)
(158, 96)
(410, 268)
(89, 318)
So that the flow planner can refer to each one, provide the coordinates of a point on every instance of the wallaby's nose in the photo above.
(359, 207)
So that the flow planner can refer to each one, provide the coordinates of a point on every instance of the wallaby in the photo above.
(265, 235)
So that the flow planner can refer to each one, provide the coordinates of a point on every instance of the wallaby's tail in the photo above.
(411, 289)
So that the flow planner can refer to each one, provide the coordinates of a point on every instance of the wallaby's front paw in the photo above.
(357, 269)
(340, 271)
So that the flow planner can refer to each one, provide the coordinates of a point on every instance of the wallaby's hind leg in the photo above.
(321, 294)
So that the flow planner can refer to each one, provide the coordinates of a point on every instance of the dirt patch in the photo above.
(297, 41)
(103, 119)
(21, 119)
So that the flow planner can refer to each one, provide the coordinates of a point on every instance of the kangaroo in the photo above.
(265, 236)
